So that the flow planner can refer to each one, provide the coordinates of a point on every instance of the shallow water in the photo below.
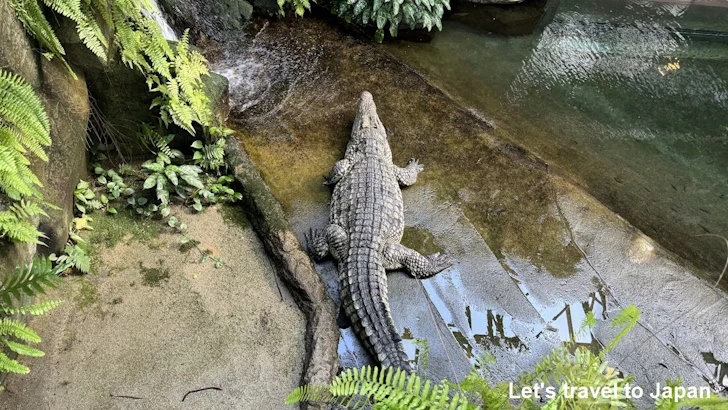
(627, 98)
(522, 283)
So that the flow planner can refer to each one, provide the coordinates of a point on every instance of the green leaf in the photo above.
(197, 144)
(151, 181)
(172, 176)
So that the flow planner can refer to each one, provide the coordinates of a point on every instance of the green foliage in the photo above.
(174, 73)
(177, 76)
(30, 280)
(385, 14)
(35, 309)
(15, 225)
(673, 401)
(357, 388)
(75, 255)
(388, 389)
(298, 6)
(24, 127)
(209, 156)
(30, 13)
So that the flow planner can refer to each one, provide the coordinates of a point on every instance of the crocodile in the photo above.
(366, 223)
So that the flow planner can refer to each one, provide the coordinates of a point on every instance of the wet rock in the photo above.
(217, 19)
(67, 104)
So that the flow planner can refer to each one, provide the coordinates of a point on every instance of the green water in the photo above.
(627, 99)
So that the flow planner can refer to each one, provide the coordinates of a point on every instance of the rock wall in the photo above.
(67, 104)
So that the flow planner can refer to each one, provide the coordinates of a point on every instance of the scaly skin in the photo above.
(365, 227)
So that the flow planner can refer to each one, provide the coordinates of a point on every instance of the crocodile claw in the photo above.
(439, 263)
(415, 163)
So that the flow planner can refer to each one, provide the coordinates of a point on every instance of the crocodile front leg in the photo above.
(341, 169)
(398, 256)
(408, 175)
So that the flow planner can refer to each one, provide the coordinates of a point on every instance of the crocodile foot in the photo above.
(438, 263)
(316, 244)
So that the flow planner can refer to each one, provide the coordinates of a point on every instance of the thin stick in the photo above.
(199, 390)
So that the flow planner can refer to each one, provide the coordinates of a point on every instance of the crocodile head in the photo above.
(368, 135)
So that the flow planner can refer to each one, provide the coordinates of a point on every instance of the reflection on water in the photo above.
(720, 369)
(627, 97)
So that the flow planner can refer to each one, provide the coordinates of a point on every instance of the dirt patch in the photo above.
(163, 323)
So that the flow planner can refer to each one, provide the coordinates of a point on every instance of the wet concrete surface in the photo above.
(534, 253)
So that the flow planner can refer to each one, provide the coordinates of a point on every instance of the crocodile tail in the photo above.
(367, 305)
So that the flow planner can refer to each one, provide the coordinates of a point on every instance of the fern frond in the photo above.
(78, 257)
(22, 349)
(388, 389)
(36, 309)
(8, 365)
(18, 330)
(90, 33)
(29, 279)
(155, 142)
(31, 16)
(21, 108)
(14, 222)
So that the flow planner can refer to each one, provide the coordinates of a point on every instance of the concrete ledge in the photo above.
(292, 265)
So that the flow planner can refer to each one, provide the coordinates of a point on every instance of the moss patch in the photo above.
(109, 230)
(153, 276)
(87, 295)
(234, 214)
(421, 240)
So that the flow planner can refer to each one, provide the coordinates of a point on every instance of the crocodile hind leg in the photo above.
(333, 240)
(408, 175)
(316, 244)
(397, 256)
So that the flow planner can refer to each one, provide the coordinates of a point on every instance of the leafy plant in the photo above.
(178, 77)
(75, 255)
(14, 222)
(388, 389)
(163, 176)
(385, 14)
(209, 156)
(357, 388)
(27, 280)
(175, 73)
(24, 127)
